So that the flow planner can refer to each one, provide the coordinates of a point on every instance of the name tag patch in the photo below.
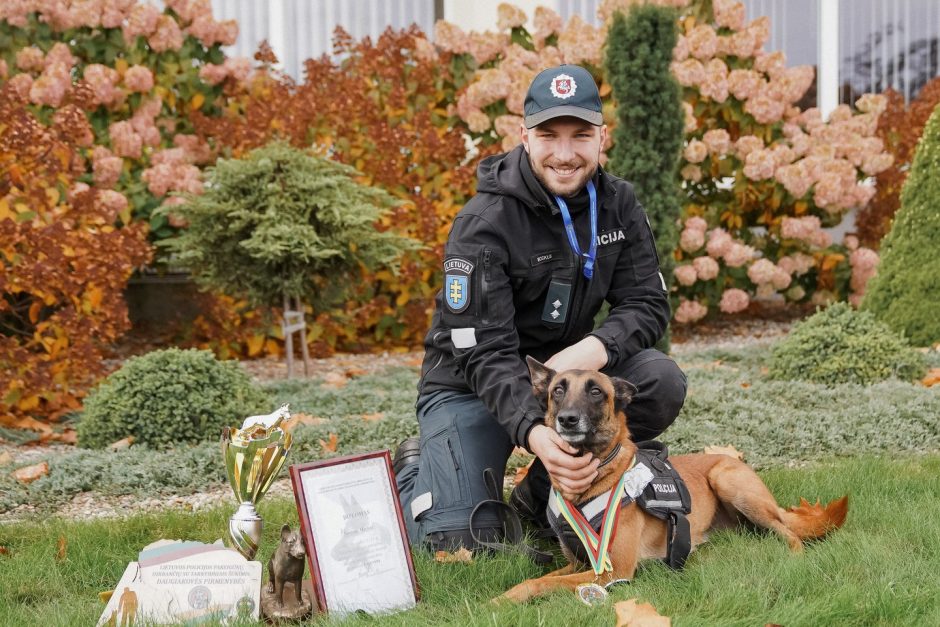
(457, 272)
(540, 258)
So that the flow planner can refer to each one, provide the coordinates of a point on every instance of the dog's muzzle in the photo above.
(572, 426)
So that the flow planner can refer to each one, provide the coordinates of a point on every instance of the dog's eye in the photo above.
(596, 392)
(558, 392)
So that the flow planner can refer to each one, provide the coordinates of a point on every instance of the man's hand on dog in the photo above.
(588, 354)
(573, 474)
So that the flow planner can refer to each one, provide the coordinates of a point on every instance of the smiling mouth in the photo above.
(565, 171)
(573, 437)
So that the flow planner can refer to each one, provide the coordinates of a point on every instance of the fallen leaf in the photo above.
(932, 378)
(334, 380)
(633, 614)
(730, 451)
(301, 419)
(120, 445)
(68, 436)
(521, 472)
(461, 555)
(5, 458)
(354, 371)
(105, 596)
(61, 548)
(4, 550)
(745, 385)
(373, 417)
(330, 446)
(28, 474)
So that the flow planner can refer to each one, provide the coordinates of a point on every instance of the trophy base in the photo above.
(290, 611)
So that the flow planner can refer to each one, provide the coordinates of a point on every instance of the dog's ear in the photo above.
(623, 392)
(285, 532)
(541, 376)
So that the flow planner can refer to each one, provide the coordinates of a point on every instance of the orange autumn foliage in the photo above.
(63, 268)
(900, 127)
(384, 110)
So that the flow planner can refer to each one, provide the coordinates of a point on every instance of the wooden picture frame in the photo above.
(357, 545)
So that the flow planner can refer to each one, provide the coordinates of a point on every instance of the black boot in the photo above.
(407, 453)
(530, 496)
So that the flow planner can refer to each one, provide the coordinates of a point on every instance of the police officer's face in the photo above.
(564, 153)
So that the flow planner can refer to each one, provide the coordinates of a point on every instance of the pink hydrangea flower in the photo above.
(764, 108)
(690, 311)
(850, 242)
(729, 13)
(485, 47)
(546, 23)
(706, 268)
(30, 59)
(718, 142)
(451, 38)
(167, 35)
(759, 165)
(715, 83)
(738, 254)
(107, 168)
(695, 223)
(581, 43)
(238, 67)
(507, 125)
(747, 144)
(102, 80)
(141, 21)
(703, 42)
(719, 243)
(872, 103)
(691, 240)
(864, 263)
(695, 151)
(112, 202)
(761, 271)
(21, 84)
(685, 275)
(781, 279)
(794, 179)
(689, 73)
(771, 63)
(51, 86)
(213, 73)
(138, 78)
(124, 141)
(60, 53)
(509, 16)
(196, 149)
(734, 300)
(690, 122)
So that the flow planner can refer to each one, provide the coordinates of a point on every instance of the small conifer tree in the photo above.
(649, 133)
(905, 293)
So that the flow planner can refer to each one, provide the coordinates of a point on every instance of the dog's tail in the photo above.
(809, 522)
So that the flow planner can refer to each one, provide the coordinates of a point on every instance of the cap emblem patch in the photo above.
(563, 86)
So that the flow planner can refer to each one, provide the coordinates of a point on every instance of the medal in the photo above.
(591, 594)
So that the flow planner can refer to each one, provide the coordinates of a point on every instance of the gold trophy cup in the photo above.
(253, 456)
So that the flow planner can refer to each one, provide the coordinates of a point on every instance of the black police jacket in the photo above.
(513, 287)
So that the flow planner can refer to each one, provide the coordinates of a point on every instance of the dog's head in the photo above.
(586, 407)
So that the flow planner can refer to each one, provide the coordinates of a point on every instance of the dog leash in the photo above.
(512, 526)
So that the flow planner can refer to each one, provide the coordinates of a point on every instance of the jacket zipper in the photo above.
(484, 305)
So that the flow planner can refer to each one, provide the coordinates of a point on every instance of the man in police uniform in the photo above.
(529, 262)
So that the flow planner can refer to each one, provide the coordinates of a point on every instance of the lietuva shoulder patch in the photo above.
(457, 273)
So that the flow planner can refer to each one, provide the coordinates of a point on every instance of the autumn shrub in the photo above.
(900, 126)
(64, 262)
(904, 292)
(383, 109)
(169, 397)
(841, 345)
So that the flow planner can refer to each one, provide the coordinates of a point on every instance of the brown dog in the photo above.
(586, 408)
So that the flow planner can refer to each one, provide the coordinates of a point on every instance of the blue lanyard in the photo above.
(591, 254)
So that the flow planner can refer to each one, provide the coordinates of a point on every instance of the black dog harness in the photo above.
(665, 496)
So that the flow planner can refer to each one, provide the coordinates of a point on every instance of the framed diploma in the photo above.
(357, 546)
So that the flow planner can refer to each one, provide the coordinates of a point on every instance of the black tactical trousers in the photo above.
(460, 439)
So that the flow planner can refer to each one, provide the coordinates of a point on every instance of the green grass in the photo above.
(882, 568)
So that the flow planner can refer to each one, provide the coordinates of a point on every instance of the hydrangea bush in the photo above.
(131, 73)
(762, 177)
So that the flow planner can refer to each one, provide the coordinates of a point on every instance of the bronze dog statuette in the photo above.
(286, 567)
(588, 410)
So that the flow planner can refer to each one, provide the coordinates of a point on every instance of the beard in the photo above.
(564, 186)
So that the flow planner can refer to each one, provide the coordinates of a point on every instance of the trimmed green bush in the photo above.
(904, 293)
(169, 397)
(841, 345)
(649, 133)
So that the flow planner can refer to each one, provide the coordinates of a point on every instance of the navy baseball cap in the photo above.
(566, 90)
